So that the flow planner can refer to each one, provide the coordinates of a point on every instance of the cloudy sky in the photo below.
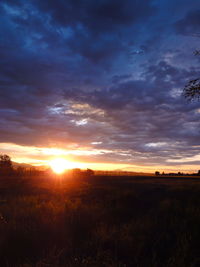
(99, 82)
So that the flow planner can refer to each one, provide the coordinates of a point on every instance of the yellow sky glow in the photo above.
(38, 156)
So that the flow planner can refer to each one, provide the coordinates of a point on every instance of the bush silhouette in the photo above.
(5, 164)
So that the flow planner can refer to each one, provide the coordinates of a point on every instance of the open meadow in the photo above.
(99, 221)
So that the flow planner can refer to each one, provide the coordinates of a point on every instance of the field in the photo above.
(99, 221)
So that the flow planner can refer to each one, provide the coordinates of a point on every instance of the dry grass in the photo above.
(99, 221)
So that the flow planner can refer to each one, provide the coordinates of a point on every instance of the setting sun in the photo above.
(59, 165)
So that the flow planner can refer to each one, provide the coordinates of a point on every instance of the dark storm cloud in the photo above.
(103, 72)
(190, 24)
(97, 16)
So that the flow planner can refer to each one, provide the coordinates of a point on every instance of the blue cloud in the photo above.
(125, 62)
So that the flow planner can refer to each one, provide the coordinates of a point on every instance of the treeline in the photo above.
(8, 170)
(157, 173)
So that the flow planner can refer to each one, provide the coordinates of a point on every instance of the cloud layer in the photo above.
(103, 75)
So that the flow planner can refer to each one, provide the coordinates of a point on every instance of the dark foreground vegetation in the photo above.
(99, 221)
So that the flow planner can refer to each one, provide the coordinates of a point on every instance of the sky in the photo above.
(100, 83)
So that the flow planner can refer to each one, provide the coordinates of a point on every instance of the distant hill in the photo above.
(24, 165)
(132, 170)
(28, 166)
(122, 172)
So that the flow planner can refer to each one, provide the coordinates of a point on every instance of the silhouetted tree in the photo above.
(192, 89)
(5, 164)
(89, 172)
(76, 172)
(20, 171)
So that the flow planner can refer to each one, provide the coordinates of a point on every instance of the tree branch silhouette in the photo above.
(192, 90)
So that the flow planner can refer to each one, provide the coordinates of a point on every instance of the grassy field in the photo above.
(99, 221)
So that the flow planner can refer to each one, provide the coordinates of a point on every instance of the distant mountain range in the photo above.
(28, 166)
(24, 165)
(43, 167)
(132, 170)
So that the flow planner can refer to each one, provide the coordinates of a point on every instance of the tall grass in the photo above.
(100, 222)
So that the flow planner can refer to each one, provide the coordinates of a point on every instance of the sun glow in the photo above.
(59, 165)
